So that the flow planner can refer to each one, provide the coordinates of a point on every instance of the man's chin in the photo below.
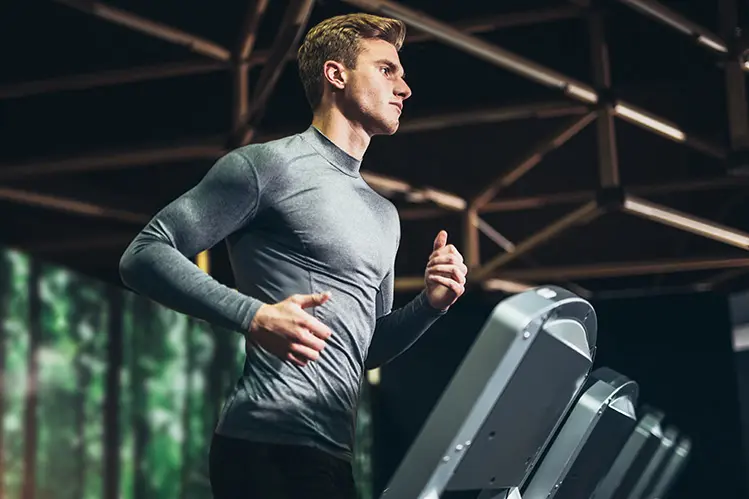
(389, 128)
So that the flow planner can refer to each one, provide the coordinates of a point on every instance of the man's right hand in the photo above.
(288, 332)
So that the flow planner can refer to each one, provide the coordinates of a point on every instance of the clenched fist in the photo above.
(445, 274)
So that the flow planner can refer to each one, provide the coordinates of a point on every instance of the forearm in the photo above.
(401, 328)
(160, 272)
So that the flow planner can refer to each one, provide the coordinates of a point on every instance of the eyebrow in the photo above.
(393, 66)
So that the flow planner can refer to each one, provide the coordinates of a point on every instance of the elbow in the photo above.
(132, 263)
(127, 267)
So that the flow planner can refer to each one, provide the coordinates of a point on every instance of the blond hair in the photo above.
(337, 39)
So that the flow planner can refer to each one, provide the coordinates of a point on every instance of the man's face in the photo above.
(375, 90)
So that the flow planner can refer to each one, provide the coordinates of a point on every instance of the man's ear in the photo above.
(335, 73)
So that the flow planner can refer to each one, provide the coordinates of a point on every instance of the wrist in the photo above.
(429, 305)
(258, 319)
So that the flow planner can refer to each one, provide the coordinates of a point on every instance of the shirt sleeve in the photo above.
(397, 330)
(158, 265)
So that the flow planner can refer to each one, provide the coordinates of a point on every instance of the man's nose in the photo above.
(402, 90)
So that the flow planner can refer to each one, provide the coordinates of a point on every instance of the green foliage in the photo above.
(167, 400)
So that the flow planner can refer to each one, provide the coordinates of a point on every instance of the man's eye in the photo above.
(385, 70)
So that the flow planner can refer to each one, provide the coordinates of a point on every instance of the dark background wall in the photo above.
(678, 348)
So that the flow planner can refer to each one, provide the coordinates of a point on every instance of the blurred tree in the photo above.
(112, 397)
(5, 292)
(30, 430)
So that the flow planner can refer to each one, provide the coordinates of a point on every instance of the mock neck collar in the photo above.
(331, 152)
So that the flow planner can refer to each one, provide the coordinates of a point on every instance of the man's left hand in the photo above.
(445, 275)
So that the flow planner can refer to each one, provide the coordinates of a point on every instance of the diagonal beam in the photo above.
(111, 77)
(532, 70)
(622, 269)
(492, 115)
(248, 34)
(689, 223)
(583, 215)
(556, 140)
(247, 38)
(608, 158)
(70, 206)
(670, 17)
(486, 24)
(509, 247)
(149, 27)
(291, 30)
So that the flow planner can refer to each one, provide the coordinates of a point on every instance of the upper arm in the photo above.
(225, 199)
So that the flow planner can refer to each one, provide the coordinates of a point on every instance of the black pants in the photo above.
(248, 470)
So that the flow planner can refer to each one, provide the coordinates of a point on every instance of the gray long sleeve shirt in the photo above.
(297, 217)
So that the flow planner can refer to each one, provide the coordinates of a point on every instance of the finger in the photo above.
(305, 338)
(315, 327)
(292, 357)
(304, 353)
(447, 260)
(440, 240)
(313, 300)
(449, 271)
(445, 281)
(449, 249)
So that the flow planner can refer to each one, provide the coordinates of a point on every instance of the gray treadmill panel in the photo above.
(589, 439)
(647, 480)
(513, 387)
(632, 459)
(670, 472)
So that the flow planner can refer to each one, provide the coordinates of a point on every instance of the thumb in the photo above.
(441, 240)
(314, 300)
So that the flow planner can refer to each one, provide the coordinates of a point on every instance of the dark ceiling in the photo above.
(92, 146)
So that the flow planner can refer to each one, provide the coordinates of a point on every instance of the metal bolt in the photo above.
(526, 335)
(446, 458)
(458, 448)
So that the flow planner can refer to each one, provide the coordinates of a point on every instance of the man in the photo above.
(313, 248)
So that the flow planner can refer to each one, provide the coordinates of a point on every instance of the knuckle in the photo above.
(299, 322)
(300, 333)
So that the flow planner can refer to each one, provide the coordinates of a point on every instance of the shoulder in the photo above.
(268, 159)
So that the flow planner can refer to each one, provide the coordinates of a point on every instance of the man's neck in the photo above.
(350, 137)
